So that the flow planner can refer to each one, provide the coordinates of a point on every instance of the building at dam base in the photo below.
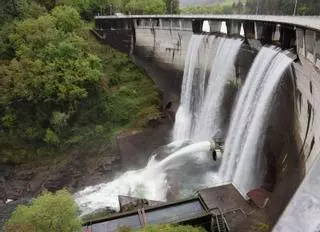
(160, 45)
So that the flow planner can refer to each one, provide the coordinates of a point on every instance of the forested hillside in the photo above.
(280, 7)
(59, 87)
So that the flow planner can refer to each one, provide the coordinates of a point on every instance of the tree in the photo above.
(49, 4)
(52, 72)
(47, 213)
(89, 8)
(145, 6)
(172, 6)
(68, 19)
(19, 9)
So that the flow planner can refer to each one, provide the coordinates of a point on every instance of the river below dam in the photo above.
(209, 70)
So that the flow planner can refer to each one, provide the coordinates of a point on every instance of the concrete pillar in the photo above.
(161, 23)
(215, 26)
(276, 36)
(300, 42)
(258, 29)
(310, 40)
(317, 49)
(314, 47)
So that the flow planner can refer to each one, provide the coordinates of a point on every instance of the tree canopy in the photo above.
(145, 6)
(50, 212)
(59, 86)
(51, 72)
(274, 7)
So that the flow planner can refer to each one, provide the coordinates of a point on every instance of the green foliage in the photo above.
(47, 213)
(89, 8)
(172, 6)
(274, 7)
(68, 19)
(286, 7)
(165, 228)
(59, 87)
(19, 9)
(51, 137)
(146, 7)
(52, 72)
(213, 9)
(49, 4)
(6, 46)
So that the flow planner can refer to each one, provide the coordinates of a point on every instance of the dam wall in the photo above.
(159, 44)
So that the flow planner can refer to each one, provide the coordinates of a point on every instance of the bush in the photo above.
(47, 213)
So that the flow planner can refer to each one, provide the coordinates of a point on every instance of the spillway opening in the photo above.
(206, 26)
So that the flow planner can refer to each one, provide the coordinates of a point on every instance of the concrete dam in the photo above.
(252, 82)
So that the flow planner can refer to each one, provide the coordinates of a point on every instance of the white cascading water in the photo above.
(209, 66)
(149, 182)
(242, 159)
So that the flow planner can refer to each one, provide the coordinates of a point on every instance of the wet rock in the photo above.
(131, 203)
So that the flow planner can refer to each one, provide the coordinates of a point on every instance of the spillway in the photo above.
(209, 68)
(243, 156)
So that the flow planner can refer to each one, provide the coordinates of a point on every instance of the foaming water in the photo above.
(242, 161)
(149, 182)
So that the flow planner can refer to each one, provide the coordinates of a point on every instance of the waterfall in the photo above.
(209, 66)
(193, 60)
(242, 161)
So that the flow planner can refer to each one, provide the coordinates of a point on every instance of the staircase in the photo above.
(218, 223)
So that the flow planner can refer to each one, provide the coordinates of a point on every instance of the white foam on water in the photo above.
(149, 182)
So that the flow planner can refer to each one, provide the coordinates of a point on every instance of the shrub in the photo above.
(47, 213)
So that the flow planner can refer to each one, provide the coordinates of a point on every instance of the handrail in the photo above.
(310, 22)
